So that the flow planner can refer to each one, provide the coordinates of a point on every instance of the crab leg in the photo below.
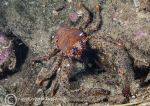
(88, 95)
(121, 61)
(85, 16)
(54, 86)
(94, 26)
(56, 82)
(81, 94)
(47, 56)
(47, 74)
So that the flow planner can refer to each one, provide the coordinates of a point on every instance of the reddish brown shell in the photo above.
(67, 38)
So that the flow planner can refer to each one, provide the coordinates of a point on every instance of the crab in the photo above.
(71, 43)
(7, 55)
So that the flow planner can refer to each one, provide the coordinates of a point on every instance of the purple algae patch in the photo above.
(5, 48)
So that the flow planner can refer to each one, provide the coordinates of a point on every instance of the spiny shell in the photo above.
(70, 38)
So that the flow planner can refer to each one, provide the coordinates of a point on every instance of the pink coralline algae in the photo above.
(73, 16)
(140, 34)
(6, 50)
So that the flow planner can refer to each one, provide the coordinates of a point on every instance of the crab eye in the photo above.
(74, 50)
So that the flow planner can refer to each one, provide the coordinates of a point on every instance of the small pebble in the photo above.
(69, 1)
(133, 97)
(80, 13)
(68, 65)
(59, 105)
(59, 69)
(55, 12)
(136, 3)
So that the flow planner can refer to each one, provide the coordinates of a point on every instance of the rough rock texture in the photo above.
(35, 23)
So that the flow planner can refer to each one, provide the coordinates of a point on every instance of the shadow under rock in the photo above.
(21, 51)
(92, 64)
(141, 74)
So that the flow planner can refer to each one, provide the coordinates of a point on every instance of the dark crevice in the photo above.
(90, 57)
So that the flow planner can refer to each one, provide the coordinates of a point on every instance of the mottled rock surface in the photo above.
(35, 22)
